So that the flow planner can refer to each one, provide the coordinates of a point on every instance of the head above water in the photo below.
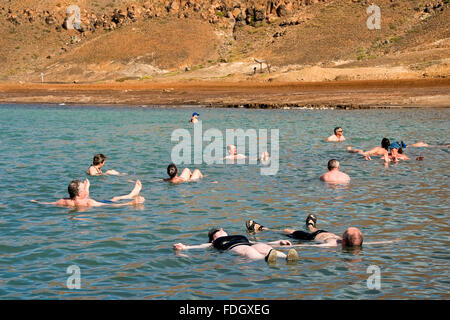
(333, 164)
(172, 170)
(352, 237)
(231, 149)
(385, 143)
(195, 114)
(75, 188)
(98, 159)
(215, 233)
(338, 130)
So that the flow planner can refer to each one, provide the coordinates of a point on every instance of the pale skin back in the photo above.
(335, 176)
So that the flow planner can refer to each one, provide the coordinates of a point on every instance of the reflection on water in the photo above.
(127, 252)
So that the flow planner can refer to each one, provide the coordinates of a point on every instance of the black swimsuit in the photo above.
(301, 235)
(229, 242)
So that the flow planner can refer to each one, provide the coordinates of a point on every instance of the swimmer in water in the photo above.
(233, 155)
(79, 196)
(338, 135)
(352, 237)
(194, 118)
(97, 164)
(334, 175)
(185, 176)
(395, 154)
(383, 150)
(239, 244)
(377, 151)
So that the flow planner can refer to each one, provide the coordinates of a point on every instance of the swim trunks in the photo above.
(301, 235)
(229, 242)
(106, 201)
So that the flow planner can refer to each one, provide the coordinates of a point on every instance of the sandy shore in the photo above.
(338, 94)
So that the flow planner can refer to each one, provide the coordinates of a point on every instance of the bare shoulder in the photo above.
(64, 202)
(91, 171)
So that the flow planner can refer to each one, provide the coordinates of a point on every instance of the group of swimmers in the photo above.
(352, 236)
(219, 239)
(391, 152)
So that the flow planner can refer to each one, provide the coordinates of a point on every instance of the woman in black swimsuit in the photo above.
(219, 239)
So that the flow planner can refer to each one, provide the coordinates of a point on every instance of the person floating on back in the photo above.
(334, 175)
(239, 244)
(233, 155)
(185, 176)
(79, 196)
(97, 164)
(352, 237)
(385, 148)
(377, 151)
(338, 135)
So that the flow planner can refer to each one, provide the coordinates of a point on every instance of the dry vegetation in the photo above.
(182, 40)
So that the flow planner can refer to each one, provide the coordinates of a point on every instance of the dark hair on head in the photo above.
(336, 129)
(212, 232)
(172, 170)
(98, 159)
(332, 164)
(385, 143)
(74, 188)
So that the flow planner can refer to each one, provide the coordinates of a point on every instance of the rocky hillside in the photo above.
(161, 40)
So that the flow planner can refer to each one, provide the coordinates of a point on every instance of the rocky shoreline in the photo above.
(343, 95)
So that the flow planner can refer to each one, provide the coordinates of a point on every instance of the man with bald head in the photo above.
(334, 175)
(352, 237)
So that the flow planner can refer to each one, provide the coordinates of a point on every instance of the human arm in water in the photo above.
(180, 246)
(336, 243)
(280, 243)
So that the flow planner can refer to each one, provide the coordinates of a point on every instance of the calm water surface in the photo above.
(126, 253)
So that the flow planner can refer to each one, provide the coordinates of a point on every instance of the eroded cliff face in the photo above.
(222, 12)
(101, 39)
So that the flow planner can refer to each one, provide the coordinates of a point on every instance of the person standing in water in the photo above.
(338, 135)
(334, 175)
(194, 118)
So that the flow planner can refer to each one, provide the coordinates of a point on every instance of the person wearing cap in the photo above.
(194, 118)
(97, 164)
(334, 175)
(395, 153)
(338, 135)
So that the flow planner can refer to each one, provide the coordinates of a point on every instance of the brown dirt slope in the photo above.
(185, 40)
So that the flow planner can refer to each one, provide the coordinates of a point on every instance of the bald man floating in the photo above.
(352, 237)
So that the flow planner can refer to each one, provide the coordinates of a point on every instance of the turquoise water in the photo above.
(126, 253)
